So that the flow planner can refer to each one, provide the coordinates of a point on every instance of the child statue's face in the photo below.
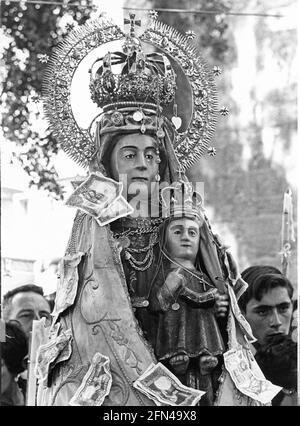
(182, 239)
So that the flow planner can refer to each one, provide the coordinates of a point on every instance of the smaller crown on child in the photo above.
(181, 200)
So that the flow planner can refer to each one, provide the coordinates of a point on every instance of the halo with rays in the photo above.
(199, 120)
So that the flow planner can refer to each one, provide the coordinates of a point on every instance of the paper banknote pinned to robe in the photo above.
(160, 385)
(67, 284)
(245, 326)
(58, 349)
(118, 208)
(247, 376)
(96, 383)
(100, 197)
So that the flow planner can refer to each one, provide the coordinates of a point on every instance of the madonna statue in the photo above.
(146, 308)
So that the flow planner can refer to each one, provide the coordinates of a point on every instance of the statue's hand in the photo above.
(221, 304)
(174, 281)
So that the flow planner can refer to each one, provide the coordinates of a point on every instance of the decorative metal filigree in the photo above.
(193, 143)
(74, 140)
(189, 145)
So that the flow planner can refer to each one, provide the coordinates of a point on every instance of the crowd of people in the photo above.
(267, 304)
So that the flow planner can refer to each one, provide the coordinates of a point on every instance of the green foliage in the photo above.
(33, 29)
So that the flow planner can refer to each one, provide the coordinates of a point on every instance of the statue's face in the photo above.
(182, 239)
(134, 163)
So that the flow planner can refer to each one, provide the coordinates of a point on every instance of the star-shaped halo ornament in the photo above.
(70, 27)
(35, 99)
(43, 58)
(224, 111)
(212, 151)
(217, 71)
(152, 14)
(198, 119)
(190, 35)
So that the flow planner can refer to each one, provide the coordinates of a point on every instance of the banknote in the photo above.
(94, 194)
(67, 284)
(239, 316)
(48, 353)
(76, 183)
(247, 376)
(160, 385)
(118, 208)
(96, 383)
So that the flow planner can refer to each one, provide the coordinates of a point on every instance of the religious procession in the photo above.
(174, 282)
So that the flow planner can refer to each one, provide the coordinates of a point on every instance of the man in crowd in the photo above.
(267, 305)
(13, 354)
(22, 305)
(25, 304)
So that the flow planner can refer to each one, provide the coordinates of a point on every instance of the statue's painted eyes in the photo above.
(129, 156)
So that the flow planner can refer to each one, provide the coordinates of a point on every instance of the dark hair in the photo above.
(260, 280)
(21, 289)
(15, 348)
(278, 360)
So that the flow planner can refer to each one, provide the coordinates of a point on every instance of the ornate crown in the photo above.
(180, 200)
(145, 79)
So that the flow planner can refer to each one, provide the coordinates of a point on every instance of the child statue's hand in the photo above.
(174, 281)
(221, 304)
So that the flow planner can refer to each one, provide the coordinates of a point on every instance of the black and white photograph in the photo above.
(149, 205)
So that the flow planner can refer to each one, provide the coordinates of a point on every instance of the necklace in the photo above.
(175, 306)
(138, 231)
(142, 265)
(203, 281)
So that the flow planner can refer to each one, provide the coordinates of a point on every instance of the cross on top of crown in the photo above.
(132, 23)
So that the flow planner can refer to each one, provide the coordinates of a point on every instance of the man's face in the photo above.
(134, 162)
(28, 306)
(271, 315)
(183, 239)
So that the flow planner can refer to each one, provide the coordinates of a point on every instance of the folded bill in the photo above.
(118, 208)
(100, 197)
(76, 183)
(247, 376)
(56, 350)
(160, 385)
(96, 383)
(94, 194)
(67, 284)
(245, 326)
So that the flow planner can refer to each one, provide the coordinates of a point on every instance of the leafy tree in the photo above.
(33, 30)
(211, 28)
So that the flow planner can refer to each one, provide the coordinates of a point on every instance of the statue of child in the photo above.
(187, 323)
(189, 337)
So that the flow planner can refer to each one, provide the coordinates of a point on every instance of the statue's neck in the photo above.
(144, 209)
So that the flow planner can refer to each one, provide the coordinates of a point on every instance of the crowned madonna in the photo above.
(146, 308)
